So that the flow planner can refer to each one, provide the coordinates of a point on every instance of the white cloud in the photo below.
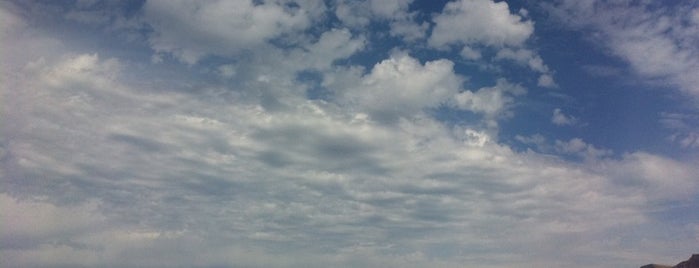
(230, 180)
(560, 119)
(402, 22)
(476, 138)
(332, 45)
(470, 53)
(524, 57)
(490, 101)
(659, 178)
(358, 14)
(172, 171)
(485, 22)
(402, 86)
(389, 8)
(657, 44)
(354, 14)
(536, 139)
(409, 30)
(470, 24)
(530, 59)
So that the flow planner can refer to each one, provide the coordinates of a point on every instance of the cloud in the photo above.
(113, 162)
(530, 59)
(470, 53)
(316, 180)
(331, 45)
(29, 223)
(354, 14)
(577, 146)
(560, 119)
(476, 24)
(226, 70)
(409, 30)
(546, 80)
(657, 43)
(686, 140)
(682, 126)
(655, 176)
(10, 21)
(524, 57)
(490, 101)
(390, 8)
(533, 139)
(191, 30)
(466, 22)
(402, 23)
(401, 86)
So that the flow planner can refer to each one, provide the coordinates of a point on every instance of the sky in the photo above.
(338, 133)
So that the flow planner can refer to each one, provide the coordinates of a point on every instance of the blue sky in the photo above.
(378, 133)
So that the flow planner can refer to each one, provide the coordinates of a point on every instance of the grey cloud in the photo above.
(140, 143)
(178, 26)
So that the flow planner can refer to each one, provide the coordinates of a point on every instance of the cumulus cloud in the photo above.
(402, 23)
(402, 86)
(476, 24)
(490, 101)
(354, 13)
(465, 22)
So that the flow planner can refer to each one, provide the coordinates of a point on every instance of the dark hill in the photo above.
(693, 262)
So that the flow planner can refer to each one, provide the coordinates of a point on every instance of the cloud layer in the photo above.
(279, 151)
